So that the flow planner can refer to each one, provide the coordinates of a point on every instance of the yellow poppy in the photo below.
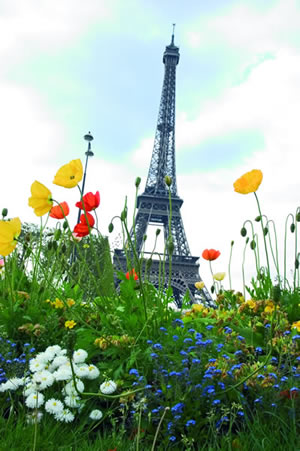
(219, 276)
(251, 304)
(199, 285)
(249, 182)
(296, 325)
(9, 232)
(69, 175)
(41, 199)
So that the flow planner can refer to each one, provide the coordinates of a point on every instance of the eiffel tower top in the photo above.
(171, 54)
(163, 155)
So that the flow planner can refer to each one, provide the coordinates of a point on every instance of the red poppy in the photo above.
(60, 211)
(210, 254)
(289, 394)
(87, 221)
(81, 230)
(90, 201)
(133, 274)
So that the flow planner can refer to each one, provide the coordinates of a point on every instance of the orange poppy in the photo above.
(60, 211)
(210, 254)
(131, 273)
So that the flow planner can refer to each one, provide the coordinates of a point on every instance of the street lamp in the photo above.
(88, 154)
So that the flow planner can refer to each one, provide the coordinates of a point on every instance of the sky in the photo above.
(70, 67)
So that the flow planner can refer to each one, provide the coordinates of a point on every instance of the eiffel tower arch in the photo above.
(153, 205)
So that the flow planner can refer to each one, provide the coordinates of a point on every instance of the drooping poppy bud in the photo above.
(298, 217)
(266, 230)
(110, 227)
(137, 182)
(258, 218)
(253, 244)
(293, 227)
(243, 231)
(4, 212)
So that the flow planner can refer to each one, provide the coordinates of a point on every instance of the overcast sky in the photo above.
(69, 67)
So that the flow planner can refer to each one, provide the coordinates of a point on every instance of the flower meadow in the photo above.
(99, 359)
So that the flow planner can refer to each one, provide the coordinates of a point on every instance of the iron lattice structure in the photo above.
(153, 204)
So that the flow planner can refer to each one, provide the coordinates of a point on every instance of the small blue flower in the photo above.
(225, 356)
(274, 360)
(240, 413)
(153, 355)
(209, 327)
(182, 352)
(157, 346)
(190, 423)
(216, 402)
(239, 337)
(239, 352)
(172, 438)
(267, 326)
(227, 330)
(185, 361)
(178, 408)
(284, 379)
(191, 331)
(178, 321)
(212, 360)
(296, 337)
(258, 350)
(198, 336)
(163, 329)
(287, 332)
(175, 337)
(188, 340)
(134, 372)
(273, 404)
(31, 350)
(196, 361)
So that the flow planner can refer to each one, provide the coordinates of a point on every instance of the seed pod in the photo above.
(258, 218)
(252, 244)
(243, 231)
(4, 212)
(137, 182)
(110, 227)
(292, 228)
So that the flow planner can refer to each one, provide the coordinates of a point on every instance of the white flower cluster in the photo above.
(53, 366)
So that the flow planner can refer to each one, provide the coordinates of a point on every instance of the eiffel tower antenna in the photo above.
(153, 204)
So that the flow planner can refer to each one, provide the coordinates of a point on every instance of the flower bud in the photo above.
(144, 237)
(292, 228)
(157, 232)
(296, 263)
(168, 180)
(110, 227)
(232, 243)
(149, 263)
(266, 230)
(65, 224)
(247, 240)
(170, 246)
(137, 182)
(212, 289)
(258, 218)
(298, 217)
(124, 215)
(253, 244)
(57, 234)
(243, 231)
(4, 212)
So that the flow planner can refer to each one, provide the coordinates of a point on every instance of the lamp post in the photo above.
(88, 154)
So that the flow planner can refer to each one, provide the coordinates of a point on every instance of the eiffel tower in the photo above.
(153, 204)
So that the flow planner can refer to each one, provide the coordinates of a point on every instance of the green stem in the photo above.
(264, 237)
(229, 264)
(284, 251)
